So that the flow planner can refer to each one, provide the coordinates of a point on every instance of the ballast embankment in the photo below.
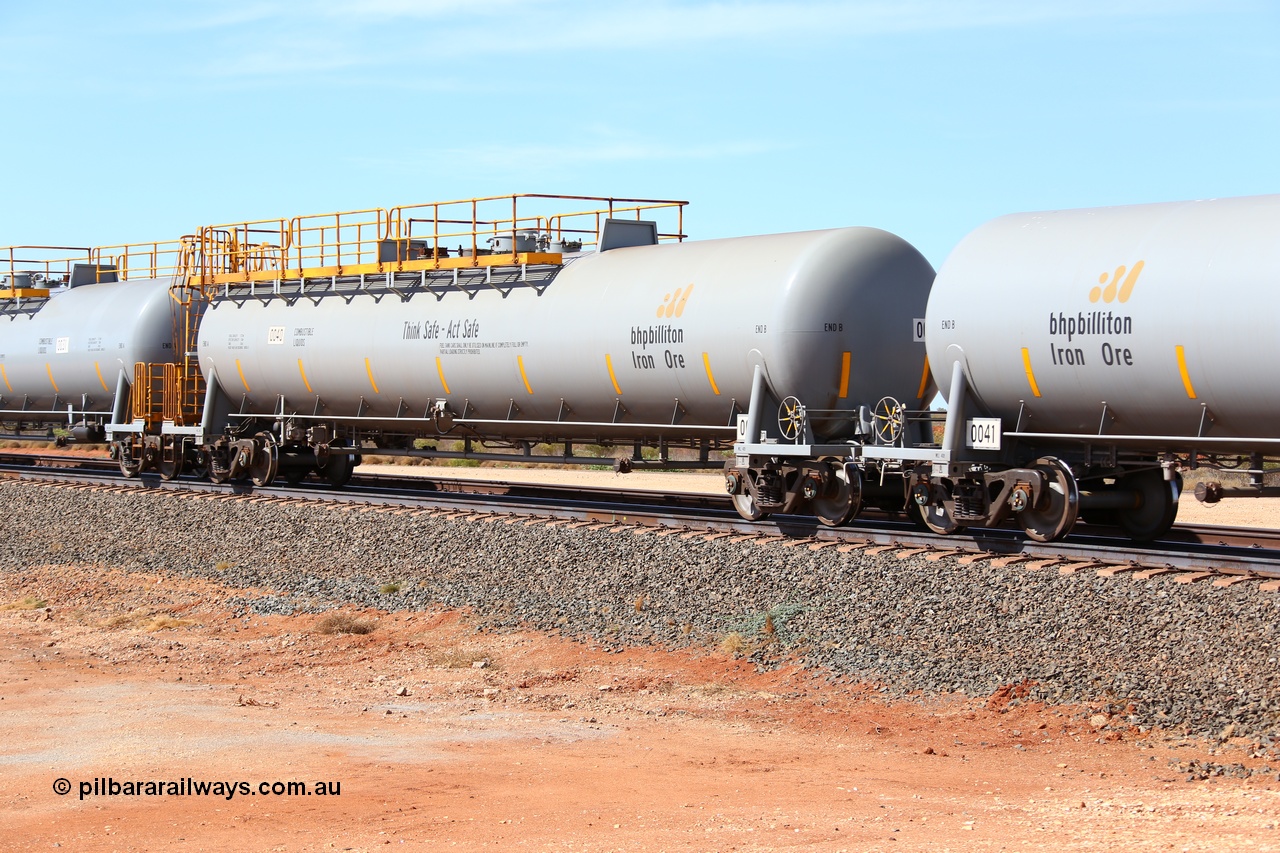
(1184, 657)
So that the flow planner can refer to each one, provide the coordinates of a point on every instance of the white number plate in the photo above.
(983, 433)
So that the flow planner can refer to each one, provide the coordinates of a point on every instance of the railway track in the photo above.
(1222, 556)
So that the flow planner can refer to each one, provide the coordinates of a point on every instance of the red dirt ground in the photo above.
(444, 735)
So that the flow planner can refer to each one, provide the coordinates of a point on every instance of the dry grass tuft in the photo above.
(389, 587)
(342, 623)
(124, 620)
(145, 618)
(27, 602)
(733, 643)
(455, 658)
(164, 621)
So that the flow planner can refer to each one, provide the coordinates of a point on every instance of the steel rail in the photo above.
(1227, 553)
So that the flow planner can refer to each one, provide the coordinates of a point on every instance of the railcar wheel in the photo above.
(293, 475)
(843, 499)
(936, 517)
(745, 504)
(1159, 507)
(927, 506)
(217, 459)
(219, 472)
(266, 462)
(1059, 504)
(122, 452)
(197, 466)
(171, 469)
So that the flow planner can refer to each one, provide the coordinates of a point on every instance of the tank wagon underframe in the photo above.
(1045, 482)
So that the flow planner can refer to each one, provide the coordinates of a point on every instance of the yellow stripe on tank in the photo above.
(49, 370)
(368, 368)
(608, 362)
(243, 381)
(1031, 376)
(303, 373)
(101, 381)
(5, 376)
(844, 374)
(440, 370)
(1186, 377)
(924, 380)
(706, 362)
(520, 362)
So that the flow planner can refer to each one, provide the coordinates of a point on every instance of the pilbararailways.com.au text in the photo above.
(189, 787)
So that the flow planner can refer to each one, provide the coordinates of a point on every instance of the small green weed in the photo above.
(27, 602)
(748, 634)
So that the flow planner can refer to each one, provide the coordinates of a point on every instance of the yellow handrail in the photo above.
(48, 269)
(143, 260)
(369, 238)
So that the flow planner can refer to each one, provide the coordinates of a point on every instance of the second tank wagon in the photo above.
(644, 344)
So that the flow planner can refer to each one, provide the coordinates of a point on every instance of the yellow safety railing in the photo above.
(31, 270)
(448, 220)
(529, 228)
(144, 260)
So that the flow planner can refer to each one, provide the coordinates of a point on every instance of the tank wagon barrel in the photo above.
(74, 323)
(644, 341)
(1098, 353)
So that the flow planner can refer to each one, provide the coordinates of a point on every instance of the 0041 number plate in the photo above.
(982, 433)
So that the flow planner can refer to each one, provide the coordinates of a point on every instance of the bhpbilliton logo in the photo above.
(1110, 288)
(673, 303)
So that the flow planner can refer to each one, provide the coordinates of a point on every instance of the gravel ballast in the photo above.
(1188, 657)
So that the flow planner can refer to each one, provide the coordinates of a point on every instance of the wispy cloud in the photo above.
(553, 157)
(723, 19)
(466, 45)
(265, 40)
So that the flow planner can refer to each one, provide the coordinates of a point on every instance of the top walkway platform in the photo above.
(478, 233)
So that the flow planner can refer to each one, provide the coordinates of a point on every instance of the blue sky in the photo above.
(141, 121)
